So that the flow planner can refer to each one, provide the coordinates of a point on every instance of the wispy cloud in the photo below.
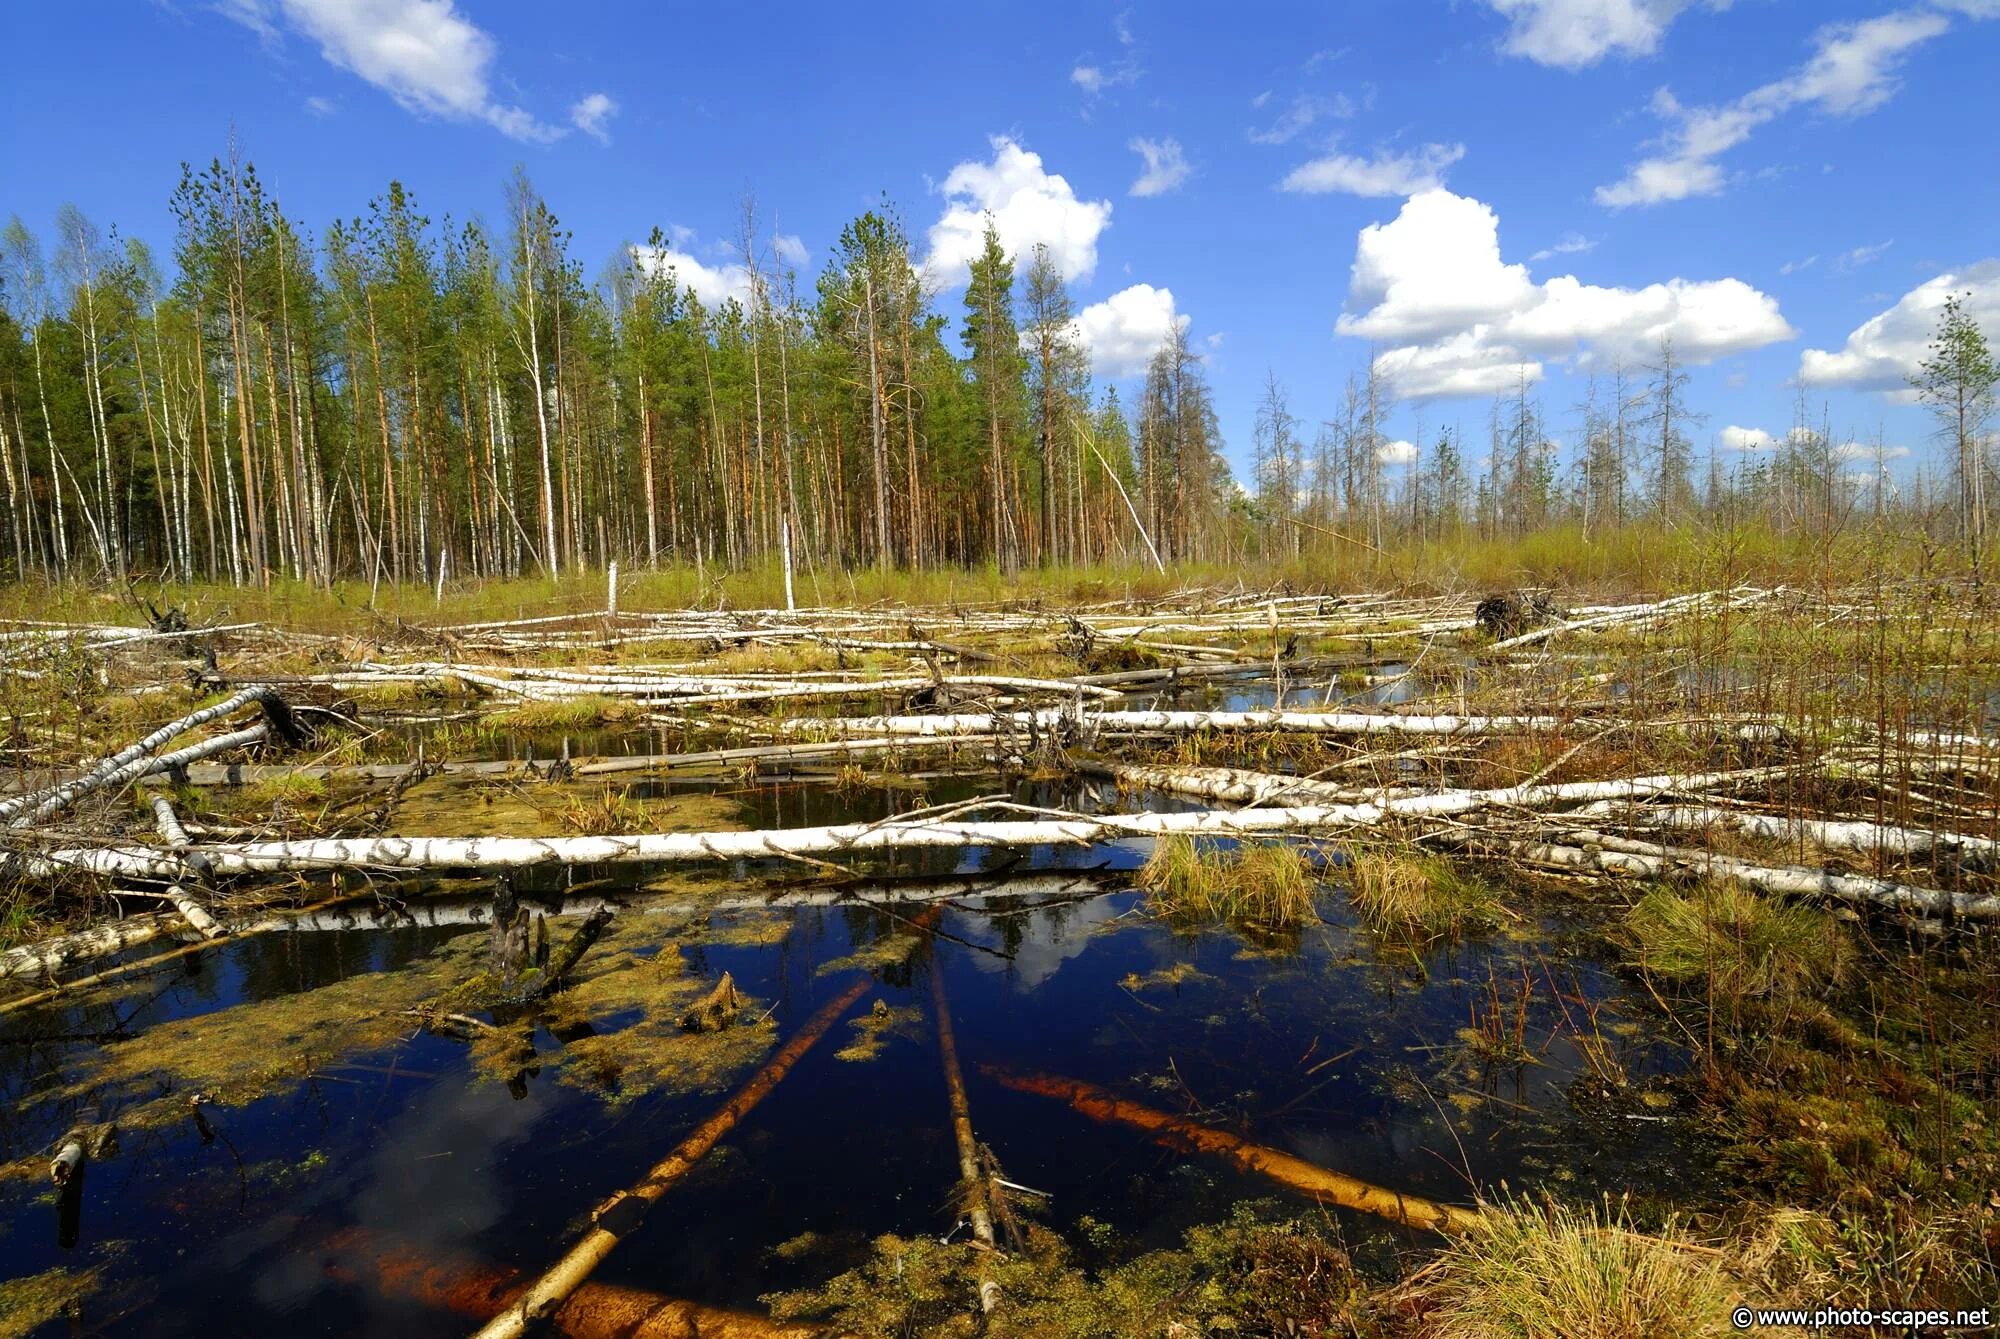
(591, 114)
(1166, 166)
(423, 53)
(1853, 70)
(1304, 110)
(1570, 244)
(1384, 174)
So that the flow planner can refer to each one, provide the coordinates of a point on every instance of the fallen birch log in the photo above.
(125, 969)
(1321, 1183)
(1606, 854)
(26, 810)
(1179, 722)
(53, 802)
(1834, 834)
(176, 839)
(624, 1211)
(45, 958)
(778, 843)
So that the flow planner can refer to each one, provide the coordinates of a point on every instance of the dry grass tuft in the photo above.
(1552, 1272)
(1424, 897)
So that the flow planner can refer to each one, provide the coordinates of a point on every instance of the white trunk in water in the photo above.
(1834, 834)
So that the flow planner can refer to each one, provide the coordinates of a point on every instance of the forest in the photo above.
(393, 398)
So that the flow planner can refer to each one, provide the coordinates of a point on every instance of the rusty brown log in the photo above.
(1179, 1132)
(594, 1311)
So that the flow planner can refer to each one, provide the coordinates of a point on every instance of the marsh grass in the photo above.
(1416, 896)
(560, 716)
(1258, 885)
(1548, 1271)
(1740, 944)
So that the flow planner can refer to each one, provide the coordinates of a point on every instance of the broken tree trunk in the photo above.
(1308, 1178)
(26, 810)
(176, 839)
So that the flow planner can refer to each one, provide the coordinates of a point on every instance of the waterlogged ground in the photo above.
(344, 1141)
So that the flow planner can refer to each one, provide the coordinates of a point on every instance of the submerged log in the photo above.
(979, 1208)
(593, 1311)
(624, 1211)
(1179, 1132)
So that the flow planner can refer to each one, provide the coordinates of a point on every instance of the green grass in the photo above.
(1741, 944)
(1260, 885)
(559, 716)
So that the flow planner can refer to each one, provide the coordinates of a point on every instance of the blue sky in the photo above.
(1465, 189)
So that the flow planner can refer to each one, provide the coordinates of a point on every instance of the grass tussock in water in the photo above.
(562, 714)
(1259, 885)
(1417, 896)
(1743, 944)
(1552, 1272)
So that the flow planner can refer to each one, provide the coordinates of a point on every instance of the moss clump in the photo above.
(288, 790)
(1741, 944)
(875, 1029)
(1242, 1277)
(241, 1053)
(1260, 885)
(1421, 897)
(1175, 976)
(623, 978)
(29, 1303)
(1552, 1272)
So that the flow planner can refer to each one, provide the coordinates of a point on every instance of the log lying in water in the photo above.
(625, 1210)
(594, 1311)
(1308, 1178)
(45, 958)
(979, 1210)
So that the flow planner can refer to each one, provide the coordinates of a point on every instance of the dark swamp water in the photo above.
(403, 1146)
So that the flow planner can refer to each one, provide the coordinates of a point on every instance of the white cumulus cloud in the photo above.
(1883, 352)
(1384, 174)
(423, 53)
(1124, 331)
(1166, 166)
(1747, 439)
(1456, 319)
(1028, 205)
(715, 285)
(1852, 70)
(591, 114)
(1570, 34)
(1396, 453)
